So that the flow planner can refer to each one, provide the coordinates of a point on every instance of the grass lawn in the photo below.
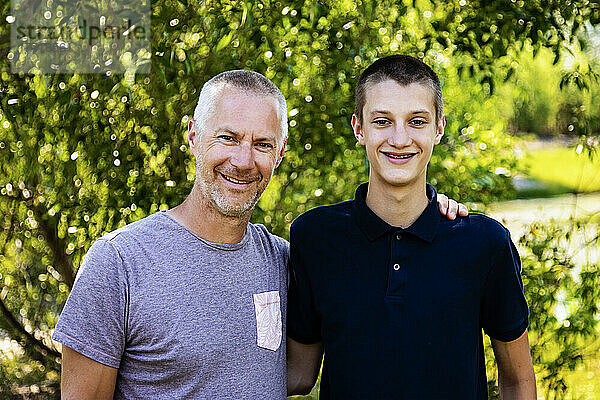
(560, 170)
(584, 383)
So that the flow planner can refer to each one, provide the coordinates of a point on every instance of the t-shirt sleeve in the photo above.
(303, 324)
(93, 321)
(504, 312)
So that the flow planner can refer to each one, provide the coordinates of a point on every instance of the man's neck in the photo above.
(399, 206)
(200, 217)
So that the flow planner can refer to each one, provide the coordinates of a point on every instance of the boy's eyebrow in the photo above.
(422, 111)
(380, 112)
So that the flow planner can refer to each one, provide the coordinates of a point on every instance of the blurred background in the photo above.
(83, 154)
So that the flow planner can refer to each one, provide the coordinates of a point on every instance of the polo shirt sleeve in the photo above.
(303, 324)
(504, 312)
(93, 319)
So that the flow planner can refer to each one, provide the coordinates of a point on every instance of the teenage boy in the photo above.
(394, 295)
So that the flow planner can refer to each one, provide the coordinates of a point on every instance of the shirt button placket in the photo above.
(397, 274)
(398, 237)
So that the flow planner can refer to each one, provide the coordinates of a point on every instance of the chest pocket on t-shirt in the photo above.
(268, 320)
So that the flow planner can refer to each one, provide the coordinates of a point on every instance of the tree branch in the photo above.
(41, 348)
(57, 246)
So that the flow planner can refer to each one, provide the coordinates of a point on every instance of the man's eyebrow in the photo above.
(264, 139)
(226, 129)
(232, 132)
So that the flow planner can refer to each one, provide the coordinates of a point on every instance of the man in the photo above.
(191, 303)
(395, 295)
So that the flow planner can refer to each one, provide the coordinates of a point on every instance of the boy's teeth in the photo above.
(403, 156)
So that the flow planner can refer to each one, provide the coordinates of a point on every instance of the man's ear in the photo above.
(193, 136)
(357, 128)
(281, 154)
(440, 129)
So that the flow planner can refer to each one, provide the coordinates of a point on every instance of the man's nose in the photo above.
(399, 137)
(243, 157)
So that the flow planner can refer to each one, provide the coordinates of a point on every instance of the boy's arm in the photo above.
(303, 364)
(515, 369)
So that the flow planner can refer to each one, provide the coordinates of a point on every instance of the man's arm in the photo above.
(303, 364)
(83, 378)
(515, 369)
(450, 208)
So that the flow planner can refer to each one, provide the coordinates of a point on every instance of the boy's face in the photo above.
(399, 131)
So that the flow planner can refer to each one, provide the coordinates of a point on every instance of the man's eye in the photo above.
(267, 146)
(227, 138)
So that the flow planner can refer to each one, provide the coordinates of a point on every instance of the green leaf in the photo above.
(224, 41)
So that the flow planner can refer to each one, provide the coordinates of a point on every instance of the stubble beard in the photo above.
(219, 199)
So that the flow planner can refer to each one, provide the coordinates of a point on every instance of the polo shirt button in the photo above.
(398, 236)
(396, 267)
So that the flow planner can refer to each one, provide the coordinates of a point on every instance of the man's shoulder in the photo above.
(136, 228)
(131, 238)
(324, 215)
(263, 235)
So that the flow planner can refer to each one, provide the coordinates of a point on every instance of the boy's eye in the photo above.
(381, 122)
(418, 122)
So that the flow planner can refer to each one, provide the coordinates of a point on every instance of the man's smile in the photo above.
(236, 181)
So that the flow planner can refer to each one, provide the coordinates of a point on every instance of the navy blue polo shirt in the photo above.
(400, 312)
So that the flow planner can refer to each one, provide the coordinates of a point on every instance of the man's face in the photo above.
(238, 151)
(399, 132)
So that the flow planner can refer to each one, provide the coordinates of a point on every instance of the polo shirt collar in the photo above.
(425, 227)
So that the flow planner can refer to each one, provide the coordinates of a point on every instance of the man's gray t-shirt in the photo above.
(181, 317)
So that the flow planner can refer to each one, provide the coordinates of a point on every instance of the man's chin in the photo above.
(234, 209)
(235, 212)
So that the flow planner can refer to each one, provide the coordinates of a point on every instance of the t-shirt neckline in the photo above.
(216, 245)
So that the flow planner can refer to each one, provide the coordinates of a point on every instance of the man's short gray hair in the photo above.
(250, 81)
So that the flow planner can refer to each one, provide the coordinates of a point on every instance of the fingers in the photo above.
(452, 209)
(442, 203)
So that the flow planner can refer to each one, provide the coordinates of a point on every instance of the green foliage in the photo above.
(552, 100)
(81, 155)
(564, 300)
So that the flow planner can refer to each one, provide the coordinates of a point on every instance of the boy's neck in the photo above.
(399, 206)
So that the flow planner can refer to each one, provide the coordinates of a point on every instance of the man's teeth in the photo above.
(235, 180)
(400, 157)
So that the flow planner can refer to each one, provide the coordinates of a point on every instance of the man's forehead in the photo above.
(233, 97)
(240, 111)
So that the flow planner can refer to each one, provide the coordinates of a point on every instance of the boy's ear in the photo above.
(440, 129)
(357, 128)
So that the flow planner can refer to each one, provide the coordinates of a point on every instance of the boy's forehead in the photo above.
(391, 93)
